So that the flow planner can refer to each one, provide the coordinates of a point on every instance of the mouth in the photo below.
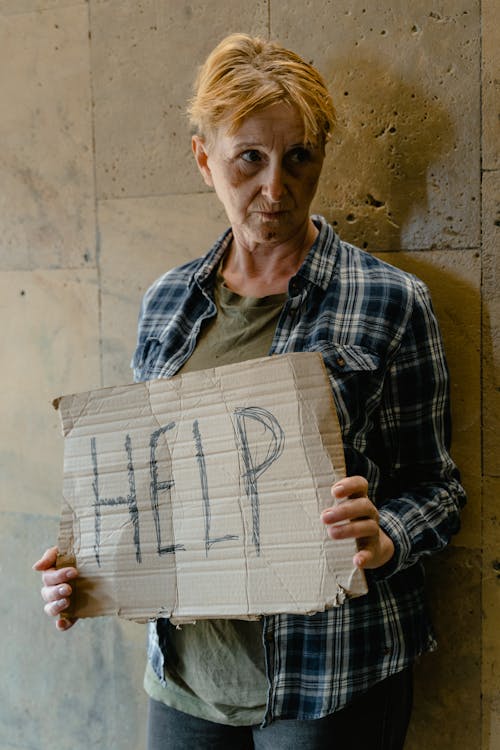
(271, 215)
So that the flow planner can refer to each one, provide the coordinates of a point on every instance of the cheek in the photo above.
(240, 185)
(230, 180)
(310, 183)
(306, 180)
(240, 190)
(236, 197)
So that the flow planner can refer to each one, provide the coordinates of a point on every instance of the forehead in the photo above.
(280, 122)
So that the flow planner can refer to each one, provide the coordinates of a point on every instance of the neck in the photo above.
(261, 269)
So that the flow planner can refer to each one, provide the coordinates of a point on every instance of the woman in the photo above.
(280, 280)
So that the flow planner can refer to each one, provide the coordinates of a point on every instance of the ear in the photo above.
(201, 155)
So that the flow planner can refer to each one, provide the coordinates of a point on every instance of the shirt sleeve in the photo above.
(421, 493)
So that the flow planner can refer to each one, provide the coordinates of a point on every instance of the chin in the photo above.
(279, 229)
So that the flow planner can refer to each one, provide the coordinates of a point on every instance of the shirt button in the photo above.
(341, 361)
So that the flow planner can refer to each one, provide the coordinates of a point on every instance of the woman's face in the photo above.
(263, 174)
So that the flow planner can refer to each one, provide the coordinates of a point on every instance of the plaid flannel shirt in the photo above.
(380, 341)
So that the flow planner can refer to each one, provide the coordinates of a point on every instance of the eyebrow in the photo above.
(257, 144)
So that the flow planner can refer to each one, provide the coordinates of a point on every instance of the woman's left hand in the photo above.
(356, 517)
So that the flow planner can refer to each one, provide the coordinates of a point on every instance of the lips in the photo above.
(271, 215)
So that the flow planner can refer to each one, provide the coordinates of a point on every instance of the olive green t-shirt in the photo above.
(215, 669)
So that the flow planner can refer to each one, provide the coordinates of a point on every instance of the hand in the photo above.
(56, 590)
(356, 517)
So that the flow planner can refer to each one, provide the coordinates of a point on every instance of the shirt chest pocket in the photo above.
(356, 378)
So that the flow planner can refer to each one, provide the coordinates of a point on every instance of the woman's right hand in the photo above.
(56, 590)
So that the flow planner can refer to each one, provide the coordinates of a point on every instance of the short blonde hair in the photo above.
(244, 74)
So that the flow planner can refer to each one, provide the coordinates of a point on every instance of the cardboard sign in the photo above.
(200, 496)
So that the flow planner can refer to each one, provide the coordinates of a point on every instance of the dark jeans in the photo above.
(377, 720)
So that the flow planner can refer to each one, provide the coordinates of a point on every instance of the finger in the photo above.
(361, 529)
(364, 558)
(354, 486)
(53, 593)
(374, 552)
(65, 623)
(47, 560)
(53, 609)
(350, 509)
(54, 577)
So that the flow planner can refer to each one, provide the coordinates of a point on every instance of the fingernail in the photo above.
(64, 590)
(62, 603)
(338, 490)
(71, 574)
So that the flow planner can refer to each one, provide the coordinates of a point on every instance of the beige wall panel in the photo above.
(47, 216)
(49, 347)
(402, 172)
(403, 166)
(447, 712)
(454, 280)
(491, 321)
(12, 7)
(490, 10)
(81, 689)
(143, 63)
(141, 240)
(491, 616)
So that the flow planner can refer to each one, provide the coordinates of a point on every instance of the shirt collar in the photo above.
(211, 261)
(318, 267)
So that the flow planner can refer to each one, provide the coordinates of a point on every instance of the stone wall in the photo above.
(99, 195)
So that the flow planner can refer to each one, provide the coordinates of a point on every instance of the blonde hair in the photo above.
(244, 74)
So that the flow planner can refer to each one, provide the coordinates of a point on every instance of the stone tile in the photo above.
(78, 689)
(47, 216)
(490, 29)
(454, 280)
(142, 239)
(491, 614)
(144, 60)
(50, 346)
(491, 322)
(12, 7)
(402, 170)
(447, 713)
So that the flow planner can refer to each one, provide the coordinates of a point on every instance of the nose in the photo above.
(273, 186)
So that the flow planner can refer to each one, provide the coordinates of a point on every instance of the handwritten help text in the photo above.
(251, 467)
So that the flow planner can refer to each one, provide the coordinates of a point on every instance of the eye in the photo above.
(252, 156)
(299, 155)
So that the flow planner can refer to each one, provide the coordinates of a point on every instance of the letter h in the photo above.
(130, 500)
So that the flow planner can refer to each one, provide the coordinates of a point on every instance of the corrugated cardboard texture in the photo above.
(200, 496)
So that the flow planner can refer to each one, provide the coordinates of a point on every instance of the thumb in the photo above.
(48, 559)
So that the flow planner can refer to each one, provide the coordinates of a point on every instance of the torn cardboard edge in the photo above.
(200, 496)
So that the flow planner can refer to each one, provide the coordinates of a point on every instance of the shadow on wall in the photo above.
(379, 163)
(448, 683)
(391, 147)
